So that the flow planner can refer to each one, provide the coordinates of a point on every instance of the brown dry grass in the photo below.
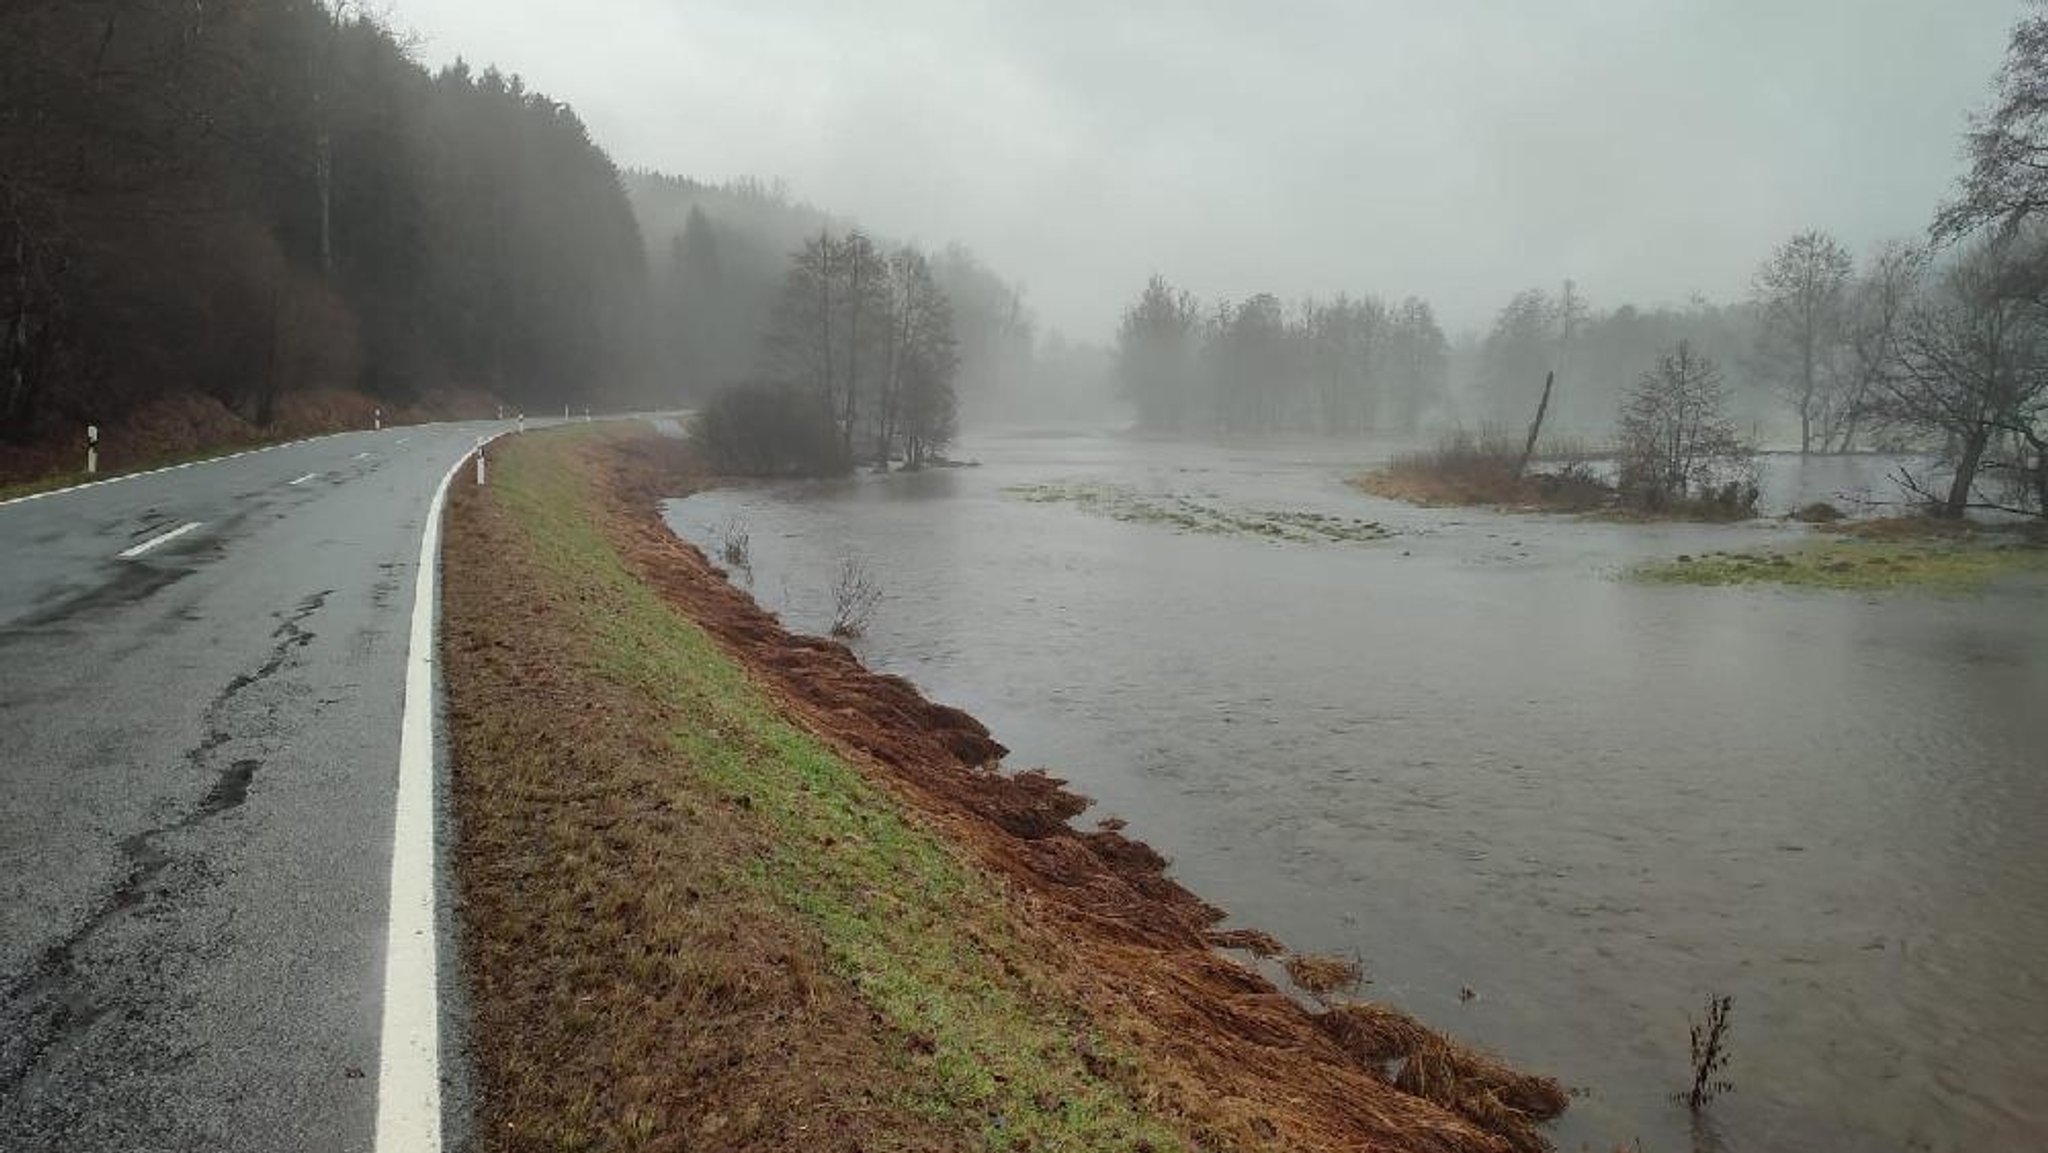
(1902, 528)
(1090, 925)
(1484, 1091)
(1375, 1033)
(1257, 942)
(1467, 470)
(1324, 975)
(628, 993)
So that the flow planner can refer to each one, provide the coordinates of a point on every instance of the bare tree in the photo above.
(801, 348)
(2007, 181)
(1870, 351)
(1345, 340)
(864, 305)
(855, 593)
(1801, 291)
(830, 332)
(1677, 441)
(926, 367)
(915, 402)
(1973, 368)
(1155, 355)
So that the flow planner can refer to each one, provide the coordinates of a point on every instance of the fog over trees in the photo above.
(250, 199)
(1342, 366)
(267, 209)
(272, 207)
(720, 254)
(1936, 344)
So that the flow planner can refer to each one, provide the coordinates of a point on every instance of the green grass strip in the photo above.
(921, 934)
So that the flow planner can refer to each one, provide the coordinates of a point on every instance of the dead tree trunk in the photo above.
(1535, 426)
(1966, 473)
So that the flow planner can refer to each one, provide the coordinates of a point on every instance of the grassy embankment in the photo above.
(702, 912)
(1871, 556)
(762, 898)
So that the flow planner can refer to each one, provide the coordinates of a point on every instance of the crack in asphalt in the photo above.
(52, 1003)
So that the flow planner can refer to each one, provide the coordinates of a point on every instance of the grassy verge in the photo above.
(633, 946)
(1939, 564)
(723, 887)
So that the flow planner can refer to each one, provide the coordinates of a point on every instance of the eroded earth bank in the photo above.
(721, 887)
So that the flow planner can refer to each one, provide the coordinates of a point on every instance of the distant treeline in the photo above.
(251, 198)
(1353, 365)
(1341, 366)
(1938, 344)
(1598, 355)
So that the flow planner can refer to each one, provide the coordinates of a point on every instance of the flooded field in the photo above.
(1455, 744)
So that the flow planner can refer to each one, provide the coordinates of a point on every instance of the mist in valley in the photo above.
(1544, 501)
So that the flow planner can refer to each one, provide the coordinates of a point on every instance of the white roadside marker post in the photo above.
(479, 461)
(586, 416)
(522, 422)
(92, 449)
(377, 419)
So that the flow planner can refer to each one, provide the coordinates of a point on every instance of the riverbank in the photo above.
(1871, 556)
(720, 884)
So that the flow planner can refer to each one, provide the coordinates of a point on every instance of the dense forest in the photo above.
(260, 217)
(264, 203)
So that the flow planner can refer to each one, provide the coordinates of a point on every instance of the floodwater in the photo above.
(1474, 757)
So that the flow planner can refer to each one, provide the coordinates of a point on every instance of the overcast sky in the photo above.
(1459, 149)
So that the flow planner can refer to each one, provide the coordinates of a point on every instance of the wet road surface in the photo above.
(201, 677)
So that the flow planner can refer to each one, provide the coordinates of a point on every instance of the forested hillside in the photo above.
(263, 205)
(250, 218)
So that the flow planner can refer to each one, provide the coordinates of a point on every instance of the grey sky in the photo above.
(1459, 149)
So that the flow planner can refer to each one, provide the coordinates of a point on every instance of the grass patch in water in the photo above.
(1191, 514)
(1955, 566)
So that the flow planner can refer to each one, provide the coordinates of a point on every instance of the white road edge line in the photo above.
(161, 471)
(158, 539)
(303, 479)
(409, 1058)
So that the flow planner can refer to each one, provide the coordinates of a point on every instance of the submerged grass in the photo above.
(1951, 564)
(1196, 515)
(920, 937)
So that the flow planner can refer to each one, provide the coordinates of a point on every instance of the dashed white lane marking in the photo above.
(159, 539)
(401, 440)
(409, 1070)
(359, 456)
(303, 479)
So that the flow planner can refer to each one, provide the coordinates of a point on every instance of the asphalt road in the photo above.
(198, 757)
